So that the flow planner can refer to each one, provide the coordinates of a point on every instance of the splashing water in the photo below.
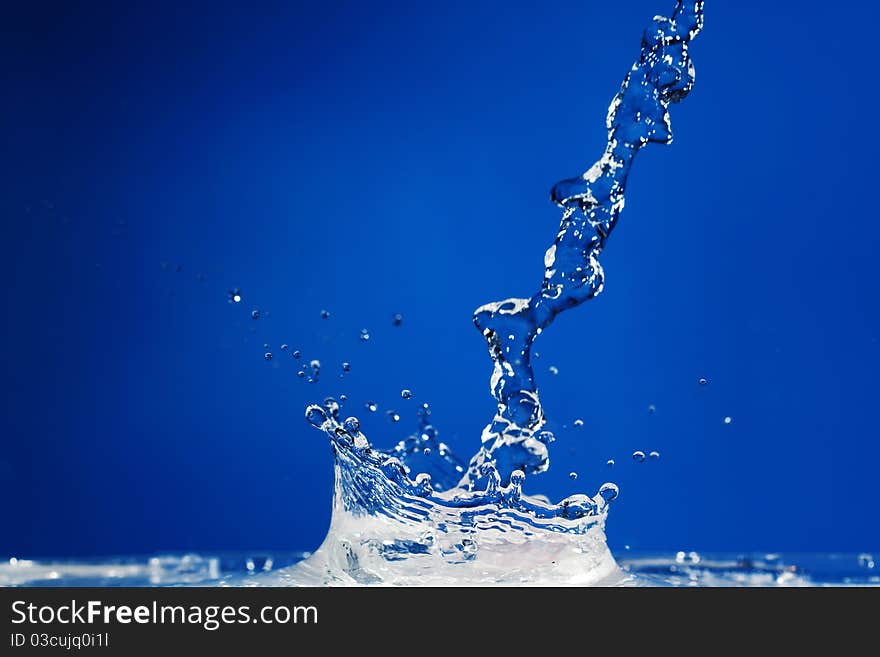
(417, 513)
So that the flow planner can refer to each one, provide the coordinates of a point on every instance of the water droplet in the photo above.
(301, 374)
(234, 296)
(553, 370)
(654, 455)
(332, 407)
(265, 345)
(325, 314)
(728, 419)
(343, 398)
(365, 335)
(652, 408)
(578, 423)
(702, 381)
(546, 437)
(346, 367)
(393, 416)
(609, 491)
(268, 355)
(284, 347)
(296, 353)
(352, 425)
(372, 406)
(397, 320)
(316, 416)
(255, 313)
(426, 451)
(610, 463)
(406, 393)
(572, 475)
(639, 456)
(315, 364)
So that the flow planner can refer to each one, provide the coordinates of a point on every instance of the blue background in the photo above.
(372, 159)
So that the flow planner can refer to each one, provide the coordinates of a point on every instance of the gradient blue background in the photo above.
(380, 158)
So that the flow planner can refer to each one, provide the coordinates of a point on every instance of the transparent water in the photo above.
(418, 514)
(263, 569)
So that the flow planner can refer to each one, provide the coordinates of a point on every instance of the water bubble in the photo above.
(397, 320)
(301, 374)
(255, 313)
(265, 345)
(393, 416)
(609, 491)
(234, 295)
(702, 381)
(610, 463)
(343, 398)
(346, 367)
(352, 425)
(325, 314)
(296, 353)
(372, 406)
(727, 419)
(654, 455)
(406, 393)
(315, 364)
(578, 423)
(284, 347)
(426, 451)
(365, 335)
(639, 456)
(652, 408)
(268, 355)
(553, 370)
(572, 475)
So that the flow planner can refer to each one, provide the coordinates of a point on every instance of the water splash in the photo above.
(591, 206)
(417, 511)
